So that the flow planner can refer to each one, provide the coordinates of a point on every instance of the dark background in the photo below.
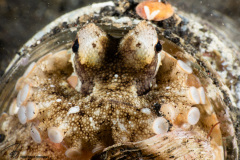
(21, 19)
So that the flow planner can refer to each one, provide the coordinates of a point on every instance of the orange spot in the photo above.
(165, 10)
(73, 81)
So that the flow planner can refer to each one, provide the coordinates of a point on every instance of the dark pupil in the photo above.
(75, 46)
(2, 137)
(158, 47)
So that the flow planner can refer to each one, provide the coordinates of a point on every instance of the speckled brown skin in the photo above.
(123, 84)
(114, 81)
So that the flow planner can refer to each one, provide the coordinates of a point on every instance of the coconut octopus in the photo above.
(115, 98)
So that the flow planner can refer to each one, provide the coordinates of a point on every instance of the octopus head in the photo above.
(103, 62)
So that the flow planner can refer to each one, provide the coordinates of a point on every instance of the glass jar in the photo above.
(60, 34)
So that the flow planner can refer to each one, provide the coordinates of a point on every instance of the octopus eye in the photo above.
(75, 46)
(138, 48)
(2, 137)
(91, 45)
(158, 47)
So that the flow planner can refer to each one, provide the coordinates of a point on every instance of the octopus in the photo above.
(115, 98)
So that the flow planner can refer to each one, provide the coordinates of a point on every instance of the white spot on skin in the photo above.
(132, 124)
(64, 125)
(117, 112)
(35, 135)
(193, 116)
(74, 109)
(24, 153)
(160, 125)
(58, 100)
(116, 75)
(52, 86)
(114, 121)
(97, 112)
(121, 126)
(124, 139)
(146, 111)
(92, 122)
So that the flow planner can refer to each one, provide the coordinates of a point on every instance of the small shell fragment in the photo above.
(73, 81)
(55, 134)
(31, 111)
(22, 115)
(74, 109)
(184, 67)
(193, 116)
(160, 125)
(154, 10)
(35, 134)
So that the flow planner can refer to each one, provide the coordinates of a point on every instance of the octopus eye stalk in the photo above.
(90, 46)
(138, 48)
(89, 51)
(140, 51)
